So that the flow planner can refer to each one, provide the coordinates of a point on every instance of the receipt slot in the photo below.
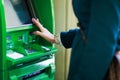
(25, 56)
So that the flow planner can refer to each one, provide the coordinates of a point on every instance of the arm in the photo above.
(66, 38)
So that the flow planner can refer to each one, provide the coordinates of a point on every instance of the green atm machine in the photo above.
(24, 56)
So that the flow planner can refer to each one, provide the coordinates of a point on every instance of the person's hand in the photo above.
(43, 31)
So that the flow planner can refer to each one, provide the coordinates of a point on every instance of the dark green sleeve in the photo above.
(67, 38)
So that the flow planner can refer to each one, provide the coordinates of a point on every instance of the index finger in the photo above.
(37, 23)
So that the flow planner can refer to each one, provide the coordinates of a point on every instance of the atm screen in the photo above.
(16, 13)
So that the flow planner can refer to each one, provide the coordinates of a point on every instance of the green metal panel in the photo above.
(2, 37)
(3, 65)
(45, 13)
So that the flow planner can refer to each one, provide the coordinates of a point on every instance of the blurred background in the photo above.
(64, 20)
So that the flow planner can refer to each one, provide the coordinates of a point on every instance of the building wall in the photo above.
(64, 20)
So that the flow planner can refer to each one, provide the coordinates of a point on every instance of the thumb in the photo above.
(37, 33)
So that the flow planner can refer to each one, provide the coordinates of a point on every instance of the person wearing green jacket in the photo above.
(94, 43)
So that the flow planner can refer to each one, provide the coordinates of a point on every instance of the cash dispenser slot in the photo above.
(40, 71)
(27, 76)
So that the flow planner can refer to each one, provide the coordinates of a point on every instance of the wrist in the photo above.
(56, 39)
